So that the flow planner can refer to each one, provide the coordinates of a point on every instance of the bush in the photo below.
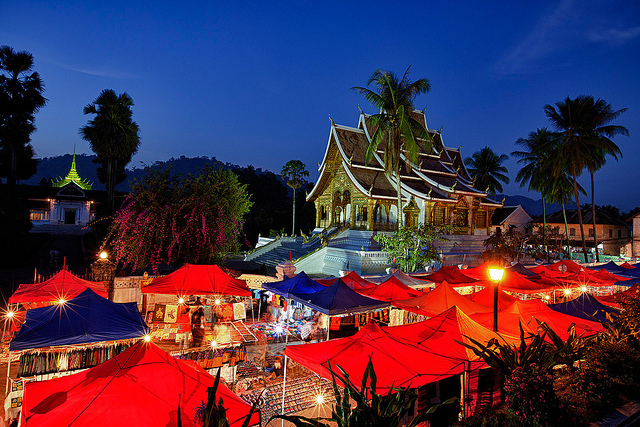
(531, 398)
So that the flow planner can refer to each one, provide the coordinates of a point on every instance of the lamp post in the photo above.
(496, 275)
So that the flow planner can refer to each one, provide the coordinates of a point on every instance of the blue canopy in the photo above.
(611, 267)
(301, 284)
(630, 282)
(521, 269)
(87, 318)
(338, 298)
(585, 307)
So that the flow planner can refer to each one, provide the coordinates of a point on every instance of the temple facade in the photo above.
(357, 194)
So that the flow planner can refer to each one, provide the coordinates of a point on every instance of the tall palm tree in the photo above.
(394, 123)
(559, 189)
(485, 168)
(598, 126)
(21, 97)
(535, 169)
(584, 139)
(113, 136)
(294, 172)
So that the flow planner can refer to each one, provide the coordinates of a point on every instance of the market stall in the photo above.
(144, 385)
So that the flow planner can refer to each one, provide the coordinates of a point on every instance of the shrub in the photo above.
(531, 398)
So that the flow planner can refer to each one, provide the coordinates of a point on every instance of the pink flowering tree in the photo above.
(175, 219)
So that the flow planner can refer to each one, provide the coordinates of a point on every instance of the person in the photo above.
(308, 330)
(197, 327)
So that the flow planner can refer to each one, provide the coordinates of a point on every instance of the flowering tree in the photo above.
(175, 219)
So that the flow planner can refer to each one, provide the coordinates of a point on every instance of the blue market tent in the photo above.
(300, 284)
(630, 282)
(521, 269)
(585, 307)
(337, 299)
(611, 267)
(87, 318)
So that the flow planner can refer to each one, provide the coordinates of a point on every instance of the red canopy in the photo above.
(485, 297)
(143, 385)
(391, 290)
(511, 281)
(193, 279)
(627, 265)
(352, 280)
(612, 300)
(410, 355)
(62, 285)
(528, 311)
(450, 274)
(566, 265)
(440, 299)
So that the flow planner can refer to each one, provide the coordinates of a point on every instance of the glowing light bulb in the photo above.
(213, 344)
(547, 297)
(218, 302)
(496, 274)
(319, 399)
(147, 338)
(567, 291)
(180, 300)
(583, 289)
(61, 301)
(10, 314)
(103, 255)
(279, 329)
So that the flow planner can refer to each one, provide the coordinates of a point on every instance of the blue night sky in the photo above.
(255, 82)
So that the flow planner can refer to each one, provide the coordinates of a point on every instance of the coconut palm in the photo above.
(113, 136)
(294, 172)
(534, 172)
(485, 168)
(598, 126)
(559, 189)
(21, 97)
(394, 123)
(584, 139)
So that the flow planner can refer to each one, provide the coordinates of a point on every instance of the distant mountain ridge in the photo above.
(58, 166)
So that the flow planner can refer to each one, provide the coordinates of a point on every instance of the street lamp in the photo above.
(496, 275)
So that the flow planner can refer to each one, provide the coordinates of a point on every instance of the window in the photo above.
(591, 232)
(36, 216)
(572, 231)
(610, 233)
(438, 215)
(619, 234)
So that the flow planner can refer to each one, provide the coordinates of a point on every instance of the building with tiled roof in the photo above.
(436, 190)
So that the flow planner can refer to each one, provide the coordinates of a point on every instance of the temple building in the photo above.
(66, 202)
(357, 194)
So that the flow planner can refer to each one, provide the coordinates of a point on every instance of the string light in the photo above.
(567, 291)
(583, 289)
(547, 297)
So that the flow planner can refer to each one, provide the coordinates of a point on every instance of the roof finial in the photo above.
(361, 112)
(429, 193)
(453, 187)
(332, 123)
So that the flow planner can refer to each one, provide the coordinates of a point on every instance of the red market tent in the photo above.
(450, 274)
(608, 276)
(511, 281)
(565, 265)
(391, 290)
(485, 297)
(409, 355)
(628, 266)
(528, 311)
(63, 285)
(440, 299)
(352, 280)
(193, 279)
(142, 385)
(612, 300)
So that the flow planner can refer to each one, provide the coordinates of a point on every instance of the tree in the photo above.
(21, 97)
(294, 172)
(175, 219)
(394, 123)
(559, 189)
(584, 139)
(113, 136)
(411, 249)
(535, 168)
(485, 168)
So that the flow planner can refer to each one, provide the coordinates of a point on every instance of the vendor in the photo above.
(197, 326)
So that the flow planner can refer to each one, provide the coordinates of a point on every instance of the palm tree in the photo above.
(113, 136)
(559, 189)
(485, 168)
(394, 123)
(598, 126)
(20, 98)
(534, 172)
(584, 139)
(294, 172)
